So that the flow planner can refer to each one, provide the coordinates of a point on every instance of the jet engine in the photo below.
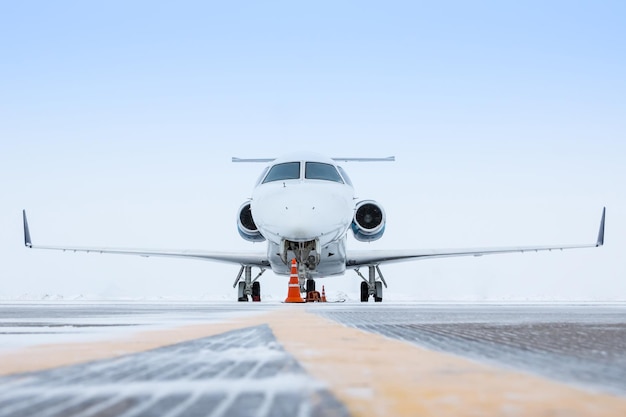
(369, 221)
(246, 226)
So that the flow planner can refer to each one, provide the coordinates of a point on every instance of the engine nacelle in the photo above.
(246, 226)
(369, 221)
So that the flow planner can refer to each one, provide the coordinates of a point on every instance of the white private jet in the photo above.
(303, 205)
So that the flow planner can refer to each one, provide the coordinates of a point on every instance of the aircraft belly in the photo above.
(332, 260)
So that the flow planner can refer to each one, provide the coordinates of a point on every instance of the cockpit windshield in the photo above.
(321, 171)
(281, 172)
(345, 176)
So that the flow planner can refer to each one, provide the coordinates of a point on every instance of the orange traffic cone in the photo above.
(293, 295)
(323, 300)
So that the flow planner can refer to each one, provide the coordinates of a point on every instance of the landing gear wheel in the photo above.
(378, 296)
(256, 291)
(310, 285)
(364, 292)
(241, 292)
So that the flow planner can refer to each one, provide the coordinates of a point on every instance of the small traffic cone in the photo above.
(293, 295)
(323, 300)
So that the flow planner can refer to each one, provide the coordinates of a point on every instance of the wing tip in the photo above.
(27, 240)
(600, 241)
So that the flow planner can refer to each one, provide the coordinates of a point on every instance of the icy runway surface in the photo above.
(30, 323)
(238, 373)
(582, 345)
(247, 372)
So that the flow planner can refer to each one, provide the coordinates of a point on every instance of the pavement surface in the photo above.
(577, 344)
(228, 359)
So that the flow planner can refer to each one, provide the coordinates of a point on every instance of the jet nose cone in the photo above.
(302, 220)
(301, 213)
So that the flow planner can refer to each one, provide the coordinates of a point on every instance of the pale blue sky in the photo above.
(118, 121)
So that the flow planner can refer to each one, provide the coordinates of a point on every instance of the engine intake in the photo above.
(246, 226)
(369, 221)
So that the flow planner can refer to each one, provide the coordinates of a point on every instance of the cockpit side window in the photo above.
(321, 171)
(345, 176)
(286, 171)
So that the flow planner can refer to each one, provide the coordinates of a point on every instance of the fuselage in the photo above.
(304, 205)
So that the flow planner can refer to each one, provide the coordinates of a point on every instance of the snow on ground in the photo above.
(57, 320)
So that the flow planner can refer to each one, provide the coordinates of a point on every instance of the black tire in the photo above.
(242, 297)
(256, 291)
(378, 296)
(364, 292)
(310, 285)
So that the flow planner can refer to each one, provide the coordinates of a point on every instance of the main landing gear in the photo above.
(372, 287)
(248, 288)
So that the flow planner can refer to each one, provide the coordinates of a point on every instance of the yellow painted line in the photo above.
(377, 376)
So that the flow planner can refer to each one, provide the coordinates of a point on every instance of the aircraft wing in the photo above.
(250, 259)
(356, 259)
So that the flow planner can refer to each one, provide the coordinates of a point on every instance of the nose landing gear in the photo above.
(310, 285)
(372, 287)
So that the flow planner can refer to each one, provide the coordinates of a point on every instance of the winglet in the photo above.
(600, 241)
(27, 242)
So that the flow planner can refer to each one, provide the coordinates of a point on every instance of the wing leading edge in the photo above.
(356, 259)
(249, 259)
